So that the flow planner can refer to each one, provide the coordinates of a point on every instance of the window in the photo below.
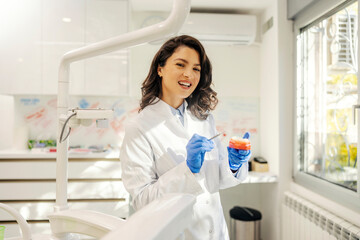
(327, 90)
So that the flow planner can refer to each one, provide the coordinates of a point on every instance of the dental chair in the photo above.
(162, 219)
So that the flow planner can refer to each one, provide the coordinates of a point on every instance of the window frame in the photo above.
(346, 197)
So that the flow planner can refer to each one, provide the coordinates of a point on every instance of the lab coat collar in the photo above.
(163, 109)
(180, 110)
(166, 108)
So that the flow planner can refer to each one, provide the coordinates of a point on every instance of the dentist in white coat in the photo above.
(166, 148)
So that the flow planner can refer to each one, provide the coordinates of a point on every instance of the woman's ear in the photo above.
(159, 70)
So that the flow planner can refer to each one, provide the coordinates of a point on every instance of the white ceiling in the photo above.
(214, 5)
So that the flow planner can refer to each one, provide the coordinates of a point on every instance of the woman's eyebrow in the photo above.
(181, 59)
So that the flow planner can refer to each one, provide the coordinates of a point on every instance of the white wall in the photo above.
(269, 91)
(140, 60)
(269, 120)
(235, 70)
(276, 113)
(7, 121)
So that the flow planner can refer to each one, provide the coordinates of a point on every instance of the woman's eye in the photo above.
(197, 69)
(180, 64)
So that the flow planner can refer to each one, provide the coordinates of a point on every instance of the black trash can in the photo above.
(244, 223)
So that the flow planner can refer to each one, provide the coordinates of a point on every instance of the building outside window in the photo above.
(326, 105)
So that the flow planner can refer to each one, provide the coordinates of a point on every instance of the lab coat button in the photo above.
(210, 231)
(207, 202)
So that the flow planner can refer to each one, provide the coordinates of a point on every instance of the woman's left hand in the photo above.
(238, 157)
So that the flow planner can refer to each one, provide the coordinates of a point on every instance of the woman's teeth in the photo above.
(185, 84)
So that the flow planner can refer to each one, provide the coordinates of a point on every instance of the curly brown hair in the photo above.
(203, 99)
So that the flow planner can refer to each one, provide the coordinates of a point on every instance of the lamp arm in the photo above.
(170, 26)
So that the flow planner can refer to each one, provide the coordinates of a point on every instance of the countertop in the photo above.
(254, 177)
(261, 177)
(27, 154)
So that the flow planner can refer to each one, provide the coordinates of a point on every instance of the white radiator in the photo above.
(303, 220)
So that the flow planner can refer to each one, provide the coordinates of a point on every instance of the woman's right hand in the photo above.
(196, 149)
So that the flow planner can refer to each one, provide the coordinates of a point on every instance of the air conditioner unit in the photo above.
(221, 28)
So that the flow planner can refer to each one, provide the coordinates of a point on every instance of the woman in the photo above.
(166, 148)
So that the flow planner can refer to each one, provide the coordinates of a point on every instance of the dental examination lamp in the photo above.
(155, 32)
(163, 218)
(165, 29)
(85, 117)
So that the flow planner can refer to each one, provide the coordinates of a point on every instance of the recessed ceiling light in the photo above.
(66, 19)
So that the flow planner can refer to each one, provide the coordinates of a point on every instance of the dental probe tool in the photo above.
(216, 135)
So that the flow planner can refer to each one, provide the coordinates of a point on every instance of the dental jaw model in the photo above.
(240, 143)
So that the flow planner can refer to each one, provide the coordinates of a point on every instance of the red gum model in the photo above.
(240, 143)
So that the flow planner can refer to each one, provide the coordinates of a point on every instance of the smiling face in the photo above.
(180, 75)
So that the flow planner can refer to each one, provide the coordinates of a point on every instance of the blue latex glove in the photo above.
(196, 149)
(238, 157)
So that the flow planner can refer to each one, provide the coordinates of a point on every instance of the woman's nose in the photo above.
(187, 73)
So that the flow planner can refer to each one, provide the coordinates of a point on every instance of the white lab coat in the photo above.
(153, 159)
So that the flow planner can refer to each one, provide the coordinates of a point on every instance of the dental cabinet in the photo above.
(94, 184)
(49, 29)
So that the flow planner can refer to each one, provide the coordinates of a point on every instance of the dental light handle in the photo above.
(24, 226)
(170, 26)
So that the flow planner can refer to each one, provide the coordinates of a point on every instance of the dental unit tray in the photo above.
(93, 113)
(85, 117)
